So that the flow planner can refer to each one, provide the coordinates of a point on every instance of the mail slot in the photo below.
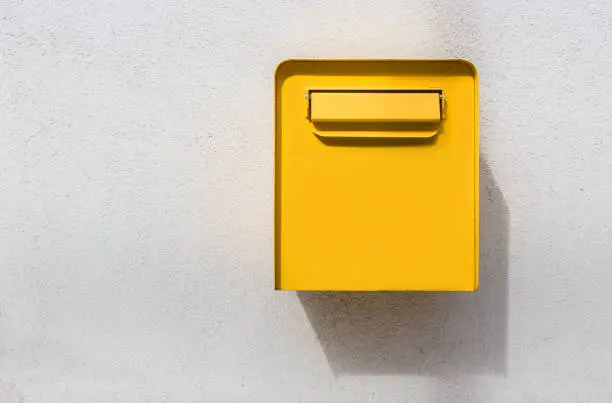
(407, 111)
(375, 106)
(376, 175)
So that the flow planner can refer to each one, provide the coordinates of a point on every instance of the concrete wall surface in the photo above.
(136, 200)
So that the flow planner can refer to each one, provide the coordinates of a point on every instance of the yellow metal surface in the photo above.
(370, 106)
(376, 175)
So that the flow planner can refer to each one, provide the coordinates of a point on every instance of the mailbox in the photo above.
(376, 175)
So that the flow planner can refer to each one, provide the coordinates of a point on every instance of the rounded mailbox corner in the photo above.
(285, 69)
(470, 65)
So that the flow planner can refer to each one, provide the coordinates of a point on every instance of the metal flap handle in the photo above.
(375, 113)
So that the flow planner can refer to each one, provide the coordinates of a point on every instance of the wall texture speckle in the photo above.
(136, 175)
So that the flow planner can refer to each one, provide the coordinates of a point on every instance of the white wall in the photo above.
(136, 144)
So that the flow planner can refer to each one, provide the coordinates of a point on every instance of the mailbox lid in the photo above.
(369, 205)
(357, 105)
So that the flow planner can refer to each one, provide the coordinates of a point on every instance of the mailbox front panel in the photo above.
(376, 175)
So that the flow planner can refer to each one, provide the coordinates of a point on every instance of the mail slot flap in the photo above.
(375, 106)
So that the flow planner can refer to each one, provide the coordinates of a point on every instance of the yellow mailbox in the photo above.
(376, 175)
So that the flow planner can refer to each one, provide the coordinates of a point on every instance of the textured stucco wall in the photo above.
(136, 142)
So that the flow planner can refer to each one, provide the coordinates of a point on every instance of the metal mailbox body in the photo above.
(376, 175)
